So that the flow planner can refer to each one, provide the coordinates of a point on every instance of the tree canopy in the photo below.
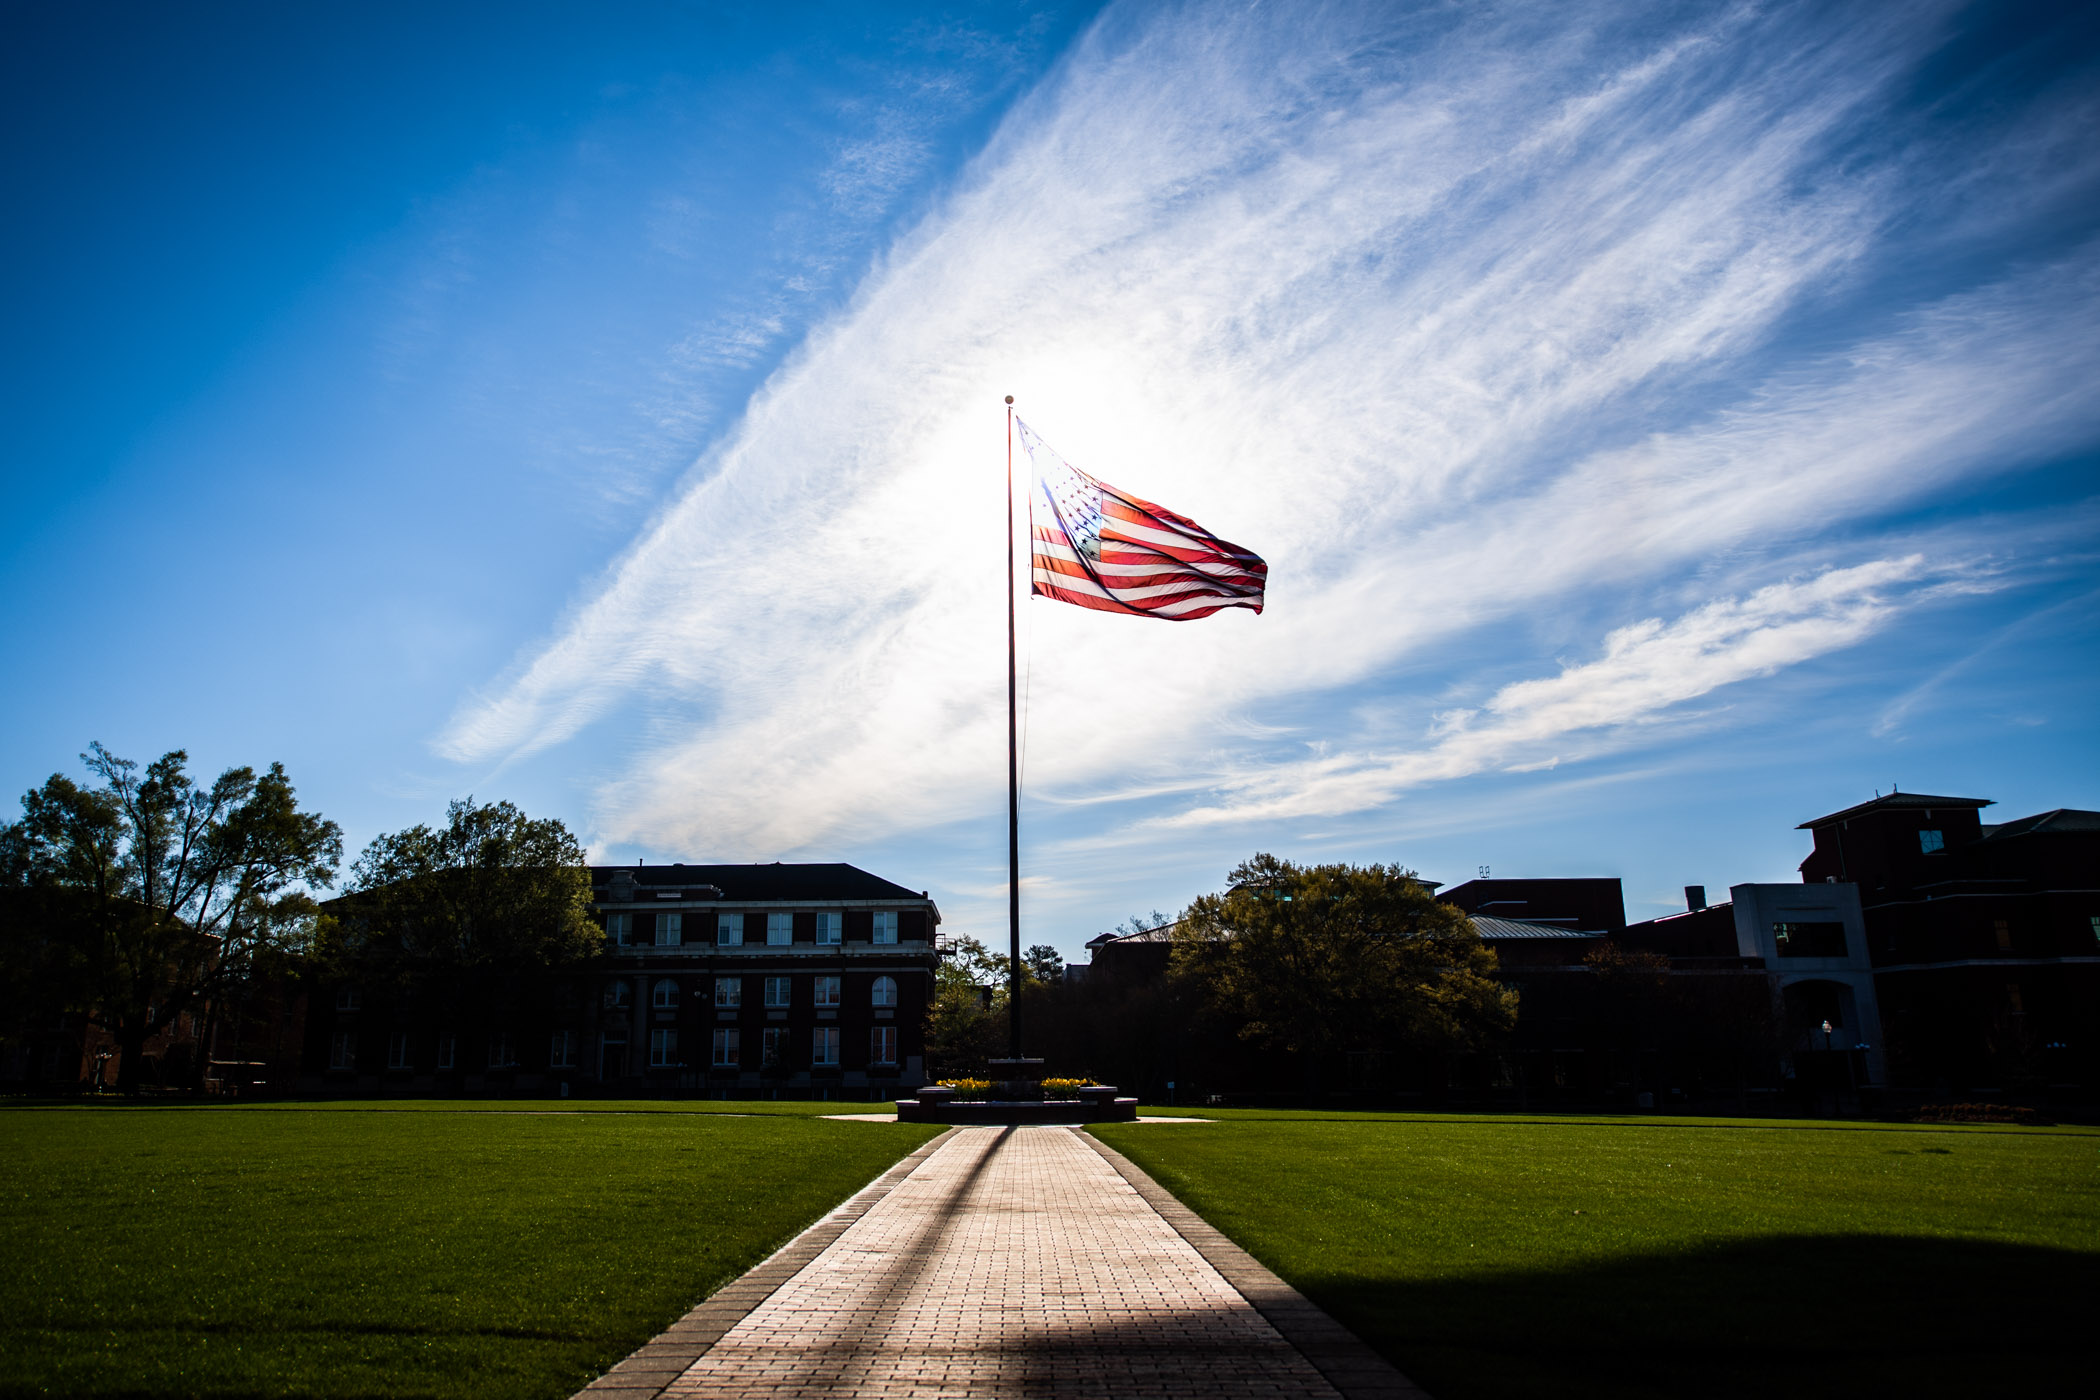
(492, 891)
(1326, 958)
(134, 900)
(966, 1020)
(1043, 963)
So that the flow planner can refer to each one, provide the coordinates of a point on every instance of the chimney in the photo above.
(1695, 897)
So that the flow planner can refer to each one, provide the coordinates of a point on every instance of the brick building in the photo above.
(1984, 938)
(728, 979)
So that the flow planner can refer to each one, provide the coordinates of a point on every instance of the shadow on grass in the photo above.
(1839, 1316)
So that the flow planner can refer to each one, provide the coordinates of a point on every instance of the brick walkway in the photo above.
(1017, 1261)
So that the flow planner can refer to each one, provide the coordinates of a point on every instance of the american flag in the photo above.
(1103, 548)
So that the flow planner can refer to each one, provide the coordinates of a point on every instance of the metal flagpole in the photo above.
(1013, 775)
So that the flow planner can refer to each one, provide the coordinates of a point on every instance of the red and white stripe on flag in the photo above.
(1103, 548)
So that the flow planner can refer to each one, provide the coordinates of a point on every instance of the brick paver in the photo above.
(1012, 1261)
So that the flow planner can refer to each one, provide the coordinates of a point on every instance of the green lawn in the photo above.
(484, 1250)
(1646, 1257)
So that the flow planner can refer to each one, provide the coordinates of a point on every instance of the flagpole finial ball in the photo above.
(1009, 398)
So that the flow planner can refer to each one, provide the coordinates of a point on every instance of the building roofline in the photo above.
(1897, 801)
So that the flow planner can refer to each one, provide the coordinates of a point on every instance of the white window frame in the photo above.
(885, 930)
(664, 995)
(883, 992)
(670, 930)
(831, 929)
(618, 995)
(618, 929)
(729, 992)
(729, 1047)
(501, 1053)
(882, 1045)
(346, 999)
(830, 990)
(342, 1050)
(663, 1047)
(729, 930)
(561, 1050)
(448, 1050)
(780, 930)
(824, 1047)
(397, 1050)
(773, 1045)
(780, 993)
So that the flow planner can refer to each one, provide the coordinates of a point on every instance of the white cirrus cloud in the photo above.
(1452, 316)
(1648, 671)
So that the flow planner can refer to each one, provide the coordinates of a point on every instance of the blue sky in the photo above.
(1663, 423)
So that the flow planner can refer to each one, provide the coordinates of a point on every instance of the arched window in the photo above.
(618, 995)
(885, 993)
(665, 995)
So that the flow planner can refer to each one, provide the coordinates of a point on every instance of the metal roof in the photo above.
(1495, 930)
(2064, 821)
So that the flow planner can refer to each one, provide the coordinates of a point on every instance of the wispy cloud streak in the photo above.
(1647, 672)
(1452, 318)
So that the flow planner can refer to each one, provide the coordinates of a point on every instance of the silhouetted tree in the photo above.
(1043, 964)
(1327, 958)
(491, 893)
(140, 898)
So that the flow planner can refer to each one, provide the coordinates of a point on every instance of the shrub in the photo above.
(968, 1088)
(1065, 1086)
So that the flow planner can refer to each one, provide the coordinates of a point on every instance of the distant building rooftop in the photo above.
(775, 882)
(1896, 801)
(1493, 930)
(2064, 821)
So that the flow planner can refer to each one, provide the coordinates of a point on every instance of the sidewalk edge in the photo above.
(644, 1373)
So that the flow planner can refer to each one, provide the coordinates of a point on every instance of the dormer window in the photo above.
(1930, 841)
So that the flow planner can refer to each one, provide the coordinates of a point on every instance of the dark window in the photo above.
(1818, 939)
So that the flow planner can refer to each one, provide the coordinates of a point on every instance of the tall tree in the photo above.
(1043, 963)
(147, 895)
(1325, 958)
(492, 892)
(966, 1020)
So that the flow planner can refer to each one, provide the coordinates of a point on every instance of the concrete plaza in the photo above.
(1006, 1261)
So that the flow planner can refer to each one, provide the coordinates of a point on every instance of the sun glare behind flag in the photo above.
(1098, 547)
